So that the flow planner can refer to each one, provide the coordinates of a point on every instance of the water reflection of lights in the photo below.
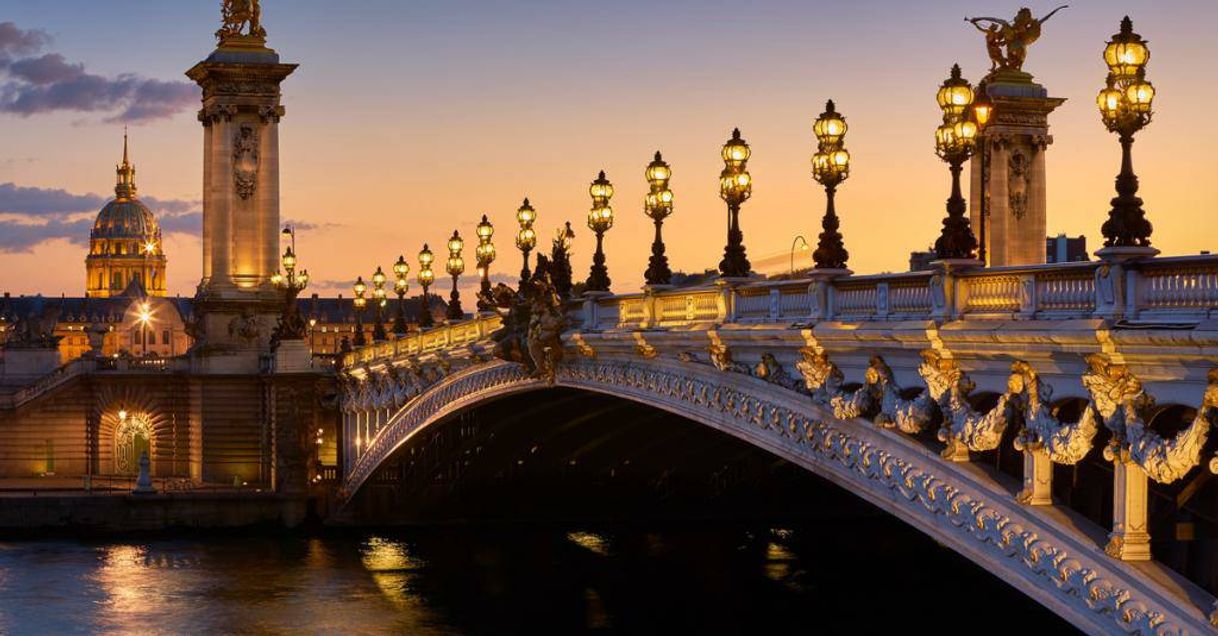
(590, 541)
(126, 583)
(393, 569)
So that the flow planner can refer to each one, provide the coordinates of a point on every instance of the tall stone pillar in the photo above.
(1013, 175)
(237, 305)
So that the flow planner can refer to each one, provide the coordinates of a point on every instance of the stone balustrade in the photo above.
(1161, 290)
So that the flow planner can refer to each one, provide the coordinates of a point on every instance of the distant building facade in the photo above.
(1058, 249)
(125, 310)
(1066, 249)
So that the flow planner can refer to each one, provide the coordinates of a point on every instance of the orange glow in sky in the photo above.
(406, 121)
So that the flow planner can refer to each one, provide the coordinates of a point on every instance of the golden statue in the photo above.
(236, 15)
(1015, 36)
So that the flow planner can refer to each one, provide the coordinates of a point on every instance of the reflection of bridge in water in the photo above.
(931, 395)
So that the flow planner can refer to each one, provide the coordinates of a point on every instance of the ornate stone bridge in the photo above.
(892, 387)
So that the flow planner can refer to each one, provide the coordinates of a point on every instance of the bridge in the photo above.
(896, 388)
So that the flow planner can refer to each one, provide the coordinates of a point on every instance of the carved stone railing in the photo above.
(1185, 288)
(1159, 290)
(449, 336)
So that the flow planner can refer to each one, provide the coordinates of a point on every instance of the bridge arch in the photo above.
(1053, 560)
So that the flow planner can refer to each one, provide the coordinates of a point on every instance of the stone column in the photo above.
(237, 305)
(1037, 477)
(1017, 138)
(1129, 539)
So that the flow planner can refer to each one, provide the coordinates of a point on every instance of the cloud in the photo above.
(15, 41)
(39, 202)
(189, 223)
(46, 83)
(22, 237)
(309, 226)
(45, 214)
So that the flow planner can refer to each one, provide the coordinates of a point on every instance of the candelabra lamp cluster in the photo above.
(830, 167)
(401, 284)
(291, 283)
(526, 238)
(426, 278)
(735, 187)
(455, 267)
(955, 141)
(600, 219)
(658, 205)
(379, 298)
(485, 254)
(361, 301)
(1125, 106)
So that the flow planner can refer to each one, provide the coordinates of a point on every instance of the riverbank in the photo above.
(24, 514)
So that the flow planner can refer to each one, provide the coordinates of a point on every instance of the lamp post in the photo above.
(802, 244)
(954, 143)
(526, 239)
(1125, 106)
(485, 254)
(455, 266)
(291, 283)
(378, 296)
(830, 167)
(359, 303)
(426, 278)
(658, 205)
(600, 219)
(982, 112)
(401, 284)
(735, 187)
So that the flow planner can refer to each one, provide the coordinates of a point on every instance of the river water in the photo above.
(713, 577)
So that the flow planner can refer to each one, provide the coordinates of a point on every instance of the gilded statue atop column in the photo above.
(1014, 36)
(237, 15)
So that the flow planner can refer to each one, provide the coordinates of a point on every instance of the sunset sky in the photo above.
(406, 120)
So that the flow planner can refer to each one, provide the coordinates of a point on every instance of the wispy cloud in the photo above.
(33, 81)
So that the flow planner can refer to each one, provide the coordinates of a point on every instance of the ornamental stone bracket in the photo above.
(1050, 560)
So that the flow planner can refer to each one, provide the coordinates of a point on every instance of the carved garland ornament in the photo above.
(1075, 578)
(245, 161)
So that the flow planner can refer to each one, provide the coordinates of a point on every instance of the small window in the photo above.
(165, 337)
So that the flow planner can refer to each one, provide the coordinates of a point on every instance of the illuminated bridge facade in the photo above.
(972, 404)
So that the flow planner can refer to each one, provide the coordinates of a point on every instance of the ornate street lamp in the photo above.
(658, 206)
(401, 284)
(426, 278)
(982, 112)
(954, 143)
(735, 187)
(830, 167)
(291, 283)
(378, 295)
(359, 303)
(526, 239)
(485, 253)
(455, 266)
(600, 219)
(1125, 106)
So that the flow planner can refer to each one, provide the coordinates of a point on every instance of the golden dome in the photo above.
(125, 217)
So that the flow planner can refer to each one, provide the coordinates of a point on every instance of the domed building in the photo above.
(125, 245)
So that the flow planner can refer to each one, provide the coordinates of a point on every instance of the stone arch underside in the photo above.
(1048, 554)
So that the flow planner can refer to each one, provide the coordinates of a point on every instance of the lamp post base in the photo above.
(1125, 253)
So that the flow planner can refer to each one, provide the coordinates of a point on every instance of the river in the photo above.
(856, 576)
